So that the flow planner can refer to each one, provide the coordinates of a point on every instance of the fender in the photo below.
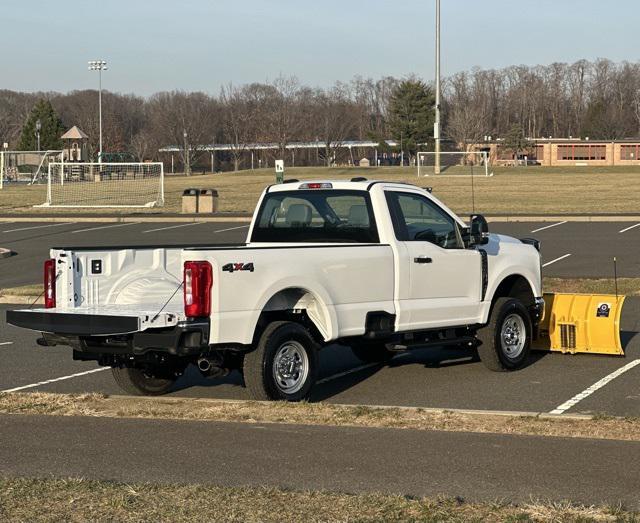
(497, 279)
(323, 315)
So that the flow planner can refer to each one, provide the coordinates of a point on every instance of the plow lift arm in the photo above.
(588, 323)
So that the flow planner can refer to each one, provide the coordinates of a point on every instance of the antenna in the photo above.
(615, 274)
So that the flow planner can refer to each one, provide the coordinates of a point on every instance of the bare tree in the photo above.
(238, 114)
(184, 118)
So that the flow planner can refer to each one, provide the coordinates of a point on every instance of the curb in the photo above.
(431, 410)
(247, 219)
(5, 253)
(125, 219)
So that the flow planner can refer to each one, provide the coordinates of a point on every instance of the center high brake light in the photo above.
(50, 284)
(315, 185)
(198, 279)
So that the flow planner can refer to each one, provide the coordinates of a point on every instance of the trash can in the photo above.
(190, 201)
(208, 201)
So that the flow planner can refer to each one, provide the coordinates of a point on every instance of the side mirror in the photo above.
(478, 230)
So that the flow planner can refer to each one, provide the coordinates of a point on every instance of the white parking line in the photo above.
(556, 260)
(347, 372)
(548, 226)
(629, 228)
(174, 227)
(597, 385)
(40, 227)
(232, 228)
(6, 343)
(40, 383)
(105, 227)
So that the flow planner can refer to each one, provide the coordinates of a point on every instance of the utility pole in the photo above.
(436, 125)
(99, 65)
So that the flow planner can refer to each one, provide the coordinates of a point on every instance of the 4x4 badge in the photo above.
(233, 267)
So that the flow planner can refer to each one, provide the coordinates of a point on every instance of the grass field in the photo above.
(77, 500)
(513, 190)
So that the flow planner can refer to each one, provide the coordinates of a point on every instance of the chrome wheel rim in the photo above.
(290, 367)
(513, 335)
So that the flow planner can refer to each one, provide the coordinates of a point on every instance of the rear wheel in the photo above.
(284, 364)
(139, 382)
(505, 342)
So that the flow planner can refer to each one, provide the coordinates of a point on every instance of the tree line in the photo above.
(599, 99)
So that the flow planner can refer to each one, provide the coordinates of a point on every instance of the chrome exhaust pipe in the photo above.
(204, 364)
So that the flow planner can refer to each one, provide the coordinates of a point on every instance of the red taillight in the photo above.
(50, 284)
(198, 278)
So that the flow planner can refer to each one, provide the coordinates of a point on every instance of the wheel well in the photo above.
(297, 305)
(515, 286)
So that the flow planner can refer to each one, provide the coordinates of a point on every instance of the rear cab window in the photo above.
(316, 216)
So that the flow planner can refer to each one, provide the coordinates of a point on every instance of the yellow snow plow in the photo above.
(575, 323)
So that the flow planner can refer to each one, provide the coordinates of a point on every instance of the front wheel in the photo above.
(284, 364)
(139, 382)
(505, 342)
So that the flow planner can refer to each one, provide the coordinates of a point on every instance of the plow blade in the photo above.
(587, 323)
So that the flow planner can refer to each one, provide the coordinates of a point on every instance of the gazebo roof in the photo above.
(75, 133)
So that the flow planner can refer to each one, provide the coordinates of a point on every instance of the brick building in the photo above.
(566, 152)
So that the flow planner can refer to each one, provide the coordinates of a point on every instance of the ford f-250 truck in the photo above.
(379, 267)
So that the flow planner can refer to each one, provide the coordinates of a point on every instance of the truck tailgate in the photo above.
(101, 321)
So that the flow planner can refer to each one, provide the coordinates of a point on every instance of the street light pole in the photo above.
(436, 125)
(187, 166)
(99, 65)
(38, 127)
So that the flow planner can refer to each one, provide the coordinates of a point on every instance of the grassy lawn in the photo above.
(513, 190)
(596, 427)
(76, 500)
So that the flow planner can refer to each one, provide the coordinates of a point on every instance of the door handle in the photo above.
(422, 259)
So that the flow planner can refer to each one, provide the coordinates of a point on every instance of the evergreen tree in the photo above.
(516, 142)
(50, 132)
(411, 112)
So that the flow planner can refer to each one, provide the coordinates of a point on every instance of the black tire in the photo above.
(371, 351)
(138, 383)
(496, 355)
(260, 374)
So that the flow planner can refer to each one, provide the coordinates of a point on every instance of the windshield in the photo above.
(316, 216)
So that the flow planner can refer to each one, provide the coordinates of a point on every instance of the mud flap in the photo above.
(574, 323)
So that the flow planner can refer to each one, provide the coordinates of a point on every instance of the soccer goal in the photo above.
(106, 185)
(456, 163)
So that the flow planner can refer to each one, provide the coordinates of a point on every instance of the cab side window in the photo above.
(416, 218)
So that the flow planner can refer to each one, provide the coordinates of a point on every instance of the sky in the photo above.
(200, 45)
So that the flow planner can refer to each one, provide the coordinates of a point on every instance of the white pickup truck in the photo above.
(379, 267)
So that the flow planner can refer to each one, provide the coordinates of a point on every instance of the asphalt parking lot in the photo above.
(569, 250)
(441, 378)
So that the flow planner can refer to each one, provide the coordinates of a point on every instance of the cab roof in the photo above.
(359, 184)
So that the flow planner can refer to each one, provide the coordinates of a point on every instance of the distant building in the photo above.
(565, 152)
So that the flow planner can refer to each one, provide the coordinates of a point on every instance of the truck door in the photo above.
(444, 280)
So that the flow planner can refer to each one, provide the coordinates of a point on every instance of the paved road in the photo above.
(590, 246)
(442, 378)
(476, 467)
